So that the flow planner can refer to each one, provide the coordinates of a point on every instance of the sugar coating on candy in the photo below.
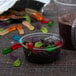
(50, 23)
(38, 44)
(17, 63)
(6, 50)
(44, 29)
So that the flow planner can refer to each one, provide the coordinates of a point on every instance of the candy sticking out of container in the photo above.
(30, 45)
(58, 43)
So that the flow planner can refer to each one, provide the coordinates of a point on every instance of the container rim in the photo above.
(73, 33)
(65, 4)
(20, 41)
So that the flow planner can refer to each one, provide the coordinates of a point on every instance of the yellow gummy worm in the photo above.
(20, 29)
(11, 28)
(4, 32)
(28, 25)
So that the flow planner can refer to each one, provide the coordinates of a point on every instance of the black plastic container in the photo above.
(32, 4)
(66, 11)
(42, 56)
(68, 32)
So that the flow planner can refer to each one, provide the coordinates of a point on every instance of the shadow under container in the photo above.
(41, 56)
(67, 22)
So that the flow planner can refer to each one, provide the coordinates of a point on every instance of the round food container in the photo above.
(41, 48)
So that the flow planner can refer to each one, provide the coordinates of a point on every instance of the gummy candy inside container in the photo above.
(41, 48)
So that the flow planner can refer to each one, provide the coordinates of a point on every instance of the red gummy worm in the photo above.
(58, 43)
(15, 46)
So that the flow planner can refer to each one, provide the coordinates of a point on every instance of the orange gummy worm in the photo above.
(11, 28)
(20, 29)
(37, 16)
